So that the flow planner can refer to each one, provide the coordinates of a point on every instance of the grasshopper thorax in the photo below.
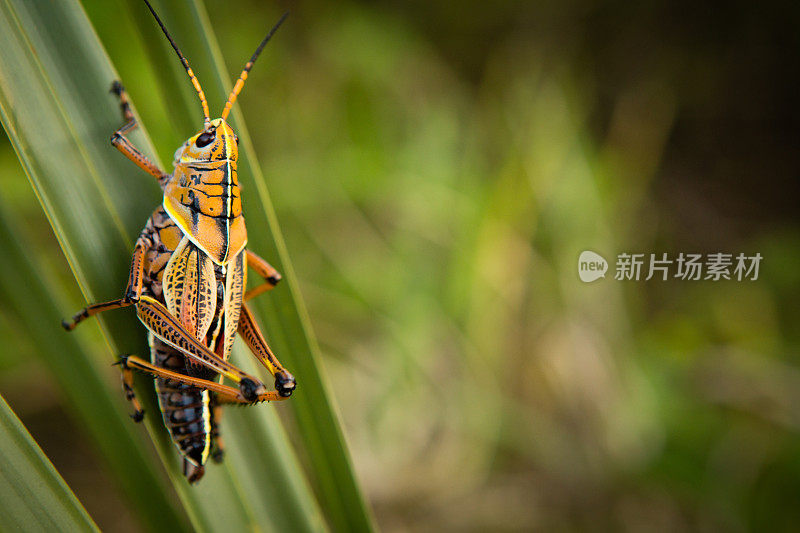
(203, 195)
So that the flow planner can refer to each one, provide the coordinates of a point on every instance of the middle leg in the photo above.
(133, 290)
(265, 270)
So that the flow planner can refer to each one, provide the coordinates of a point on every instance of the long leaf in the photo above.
(54, 78)
(34, 496)
(285, 318)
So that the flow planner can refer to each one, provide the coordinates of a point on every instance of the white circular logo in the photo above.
(591, 266)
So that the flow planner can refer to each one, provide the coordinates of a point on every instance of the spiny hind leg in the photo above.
(122, 143)
(265, 270)
(127, 387)
(133, 290)
(225, 393)
(248, 329)
(158, 319)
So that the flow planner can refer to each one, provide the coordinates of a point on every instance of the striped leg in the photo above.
(157, 318)
(266, 271)
(127, 387)
(225, 393)
(92, 310)
(132, 292)
(248, 329)
(122, 143)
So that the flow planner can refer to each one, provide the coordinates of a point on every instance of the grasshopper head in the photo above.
(217, 142)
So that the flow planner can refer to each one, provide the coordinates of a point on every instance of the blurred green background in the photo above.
(437, 170)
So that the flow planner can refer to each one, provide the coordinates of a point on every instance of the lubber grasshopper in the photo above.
(188, 279)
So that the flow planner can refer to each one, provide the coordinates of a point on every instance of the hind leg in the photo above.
(248, 330)
(225, 393)
(158, 319)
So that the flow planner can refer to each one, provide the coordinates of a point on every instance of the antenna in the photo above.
(200, 93)
(243, 76)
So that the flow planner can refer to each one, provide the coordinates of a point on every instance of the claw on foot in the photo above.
(285, 384)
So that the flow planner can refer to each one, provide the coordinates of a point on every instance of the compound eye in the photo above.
(205, 139)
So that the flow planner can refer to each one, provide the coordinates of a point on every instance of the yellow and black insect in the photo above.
(187, 280)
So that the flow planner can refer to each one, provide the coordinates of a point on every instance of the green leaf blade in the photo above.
(34, 496)
(34, 301)
(97, 202)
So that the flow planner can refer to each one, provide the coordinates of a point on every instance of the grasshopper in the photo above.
(188, 282)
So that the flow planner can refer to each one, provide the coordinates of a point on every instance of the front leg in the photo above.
(127, 148)
(248, 329)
